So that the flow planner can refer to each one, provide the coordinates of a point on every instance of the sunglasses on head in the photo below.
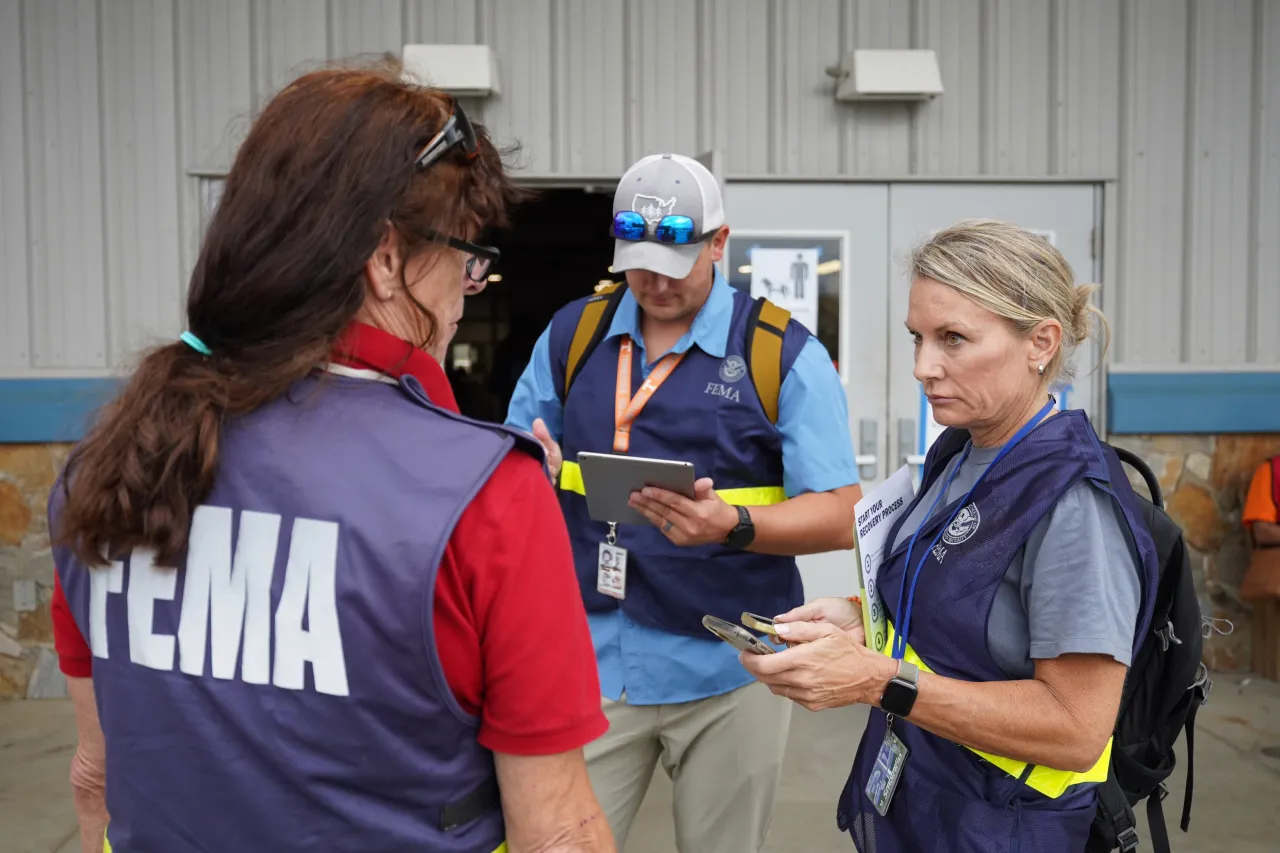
(457, 131)
(673, 229)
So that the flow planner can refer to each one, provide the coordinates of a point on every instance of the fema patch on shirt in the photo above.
(732, 369)
(963, 526)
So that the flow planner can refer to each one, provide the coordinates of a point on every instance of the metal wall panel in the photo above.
(1219, 188)
(1084, 123)
(1152, 189)
(112, 115)
(521, 33)
(949, 130)
(591, 112)
(140, 153)
(64, 184)
(442, 21)
(290, 38)
(742, 92)
(15, 312)
(360, 27)
(807, 39)
(1265, 235)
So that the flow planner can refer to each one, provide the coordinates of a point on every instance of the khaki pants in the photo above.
(723, 755)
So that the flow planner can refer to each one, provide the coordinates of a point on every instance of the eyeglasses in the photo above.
(457, 130)
(674, 229)
(482, 257)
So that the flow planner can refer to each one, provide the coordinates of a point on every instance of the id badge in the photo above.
(611, 572)
(886, 772)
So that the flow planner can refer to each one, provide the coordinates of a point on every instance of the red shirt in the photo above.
(510, 628)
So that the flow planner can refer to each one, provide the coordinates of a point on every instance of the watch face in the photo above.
(898, 698)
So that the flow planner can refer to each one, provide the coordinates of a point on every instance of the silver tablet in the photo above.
(609, 480)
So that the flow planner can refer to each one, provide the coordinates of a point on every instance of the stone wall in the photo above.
(28, 665)
(1205, 479)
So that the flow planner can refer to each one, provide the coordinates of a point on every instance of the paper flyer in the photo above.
(875, 515)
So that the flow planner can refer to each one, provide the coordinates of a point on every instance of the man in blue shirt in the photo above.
(669, 377)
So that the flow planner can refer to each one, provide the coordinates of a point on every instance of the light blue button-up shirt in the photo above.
(650, 665)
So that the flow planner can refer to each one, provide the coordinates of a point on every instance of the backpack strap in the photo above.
(1115, 806)
(764, 352)
(593, 325)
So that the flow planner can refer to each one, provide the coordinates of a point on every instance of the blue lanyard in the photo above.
(900, 636)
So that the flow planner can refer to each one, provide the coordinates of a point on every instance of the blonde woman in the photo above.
(1016, 586)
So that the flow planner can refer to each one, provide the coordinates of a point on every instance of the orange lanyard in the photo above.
(626, 407)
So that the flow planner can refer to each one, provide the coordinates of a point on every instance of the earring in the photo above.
(1041, 370)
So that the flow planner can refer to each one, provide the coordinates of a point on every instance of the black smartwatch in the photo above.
(900, 692)
(744, 534)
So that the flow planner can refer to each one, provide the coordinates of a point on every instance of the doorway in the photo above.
(557, 249)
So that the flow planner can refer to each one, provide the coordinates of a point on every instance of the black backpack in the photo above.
(1166, 685)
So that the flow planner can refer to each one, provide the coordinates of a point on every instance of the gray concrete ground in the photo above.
(1237, 806)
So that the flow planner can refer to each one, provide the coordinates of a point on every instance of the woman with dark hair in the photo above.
(302, 603)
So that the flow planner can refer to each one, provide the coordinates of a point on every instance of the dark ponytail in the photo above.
(325, 169)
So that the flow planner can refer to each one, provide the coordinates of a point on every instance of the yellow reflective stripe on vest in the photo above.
(106, 846)
(1052, 783)
(571, 481)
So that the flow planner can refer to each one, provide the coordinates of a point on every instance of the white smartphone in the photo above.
(737, 636)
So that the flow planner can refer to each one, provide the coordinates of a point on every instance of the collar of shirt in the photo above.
(368, 348)
(710, 330)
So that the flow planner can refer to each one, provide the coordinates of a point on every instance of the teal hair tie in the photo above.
(195, 343)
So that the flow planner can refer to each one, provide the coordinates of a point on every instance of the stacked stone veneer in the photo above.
(28, 665)
(1204, 479)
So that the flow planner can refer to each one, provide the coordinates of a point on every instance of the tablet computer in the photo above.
(609, 479)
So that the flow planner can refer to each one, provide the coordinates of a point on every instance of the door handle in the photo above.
(907, 442)
(868, 455)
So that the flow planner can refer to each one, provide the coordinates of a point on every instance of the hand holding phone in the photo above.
(737, 636)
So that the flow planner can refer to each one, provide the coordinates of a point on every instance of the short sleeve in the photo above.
(74, 658)
(1081, 581)
(1260, 505)
(813, 420)
(540, 691)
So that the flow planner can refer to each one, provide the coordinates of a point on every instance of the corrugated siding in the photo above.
(127, 103)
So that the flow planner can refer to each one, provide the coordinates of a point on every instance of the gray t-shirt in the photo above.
(1073, 587)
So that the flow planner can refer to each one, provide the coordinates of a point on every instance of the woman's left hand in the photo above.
(705, 520)
(824, 667)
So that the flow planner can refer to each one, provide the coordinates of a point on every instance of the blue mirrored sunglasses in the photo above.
(674, 229)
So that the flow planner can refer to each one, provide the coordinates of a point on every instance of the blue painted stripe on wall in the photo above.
(1193, 402)
(41, 410)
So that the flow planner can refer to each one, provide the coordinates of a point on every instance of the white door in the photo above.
(832, 236)
(1063, 213)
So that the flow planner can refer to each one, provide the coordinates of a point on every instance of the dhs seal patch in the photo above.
(733, 368)
(963, 526)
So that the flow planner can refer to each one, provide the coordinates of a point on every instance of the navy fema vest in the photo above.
(280, 690)
(707, 413)
(949, 798)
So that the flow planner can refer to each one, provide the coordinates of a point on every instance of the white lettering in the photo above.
(216, 589)
(147, 584)
(939, 553)
(717, 390)
(101, 582)
(310, 589)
